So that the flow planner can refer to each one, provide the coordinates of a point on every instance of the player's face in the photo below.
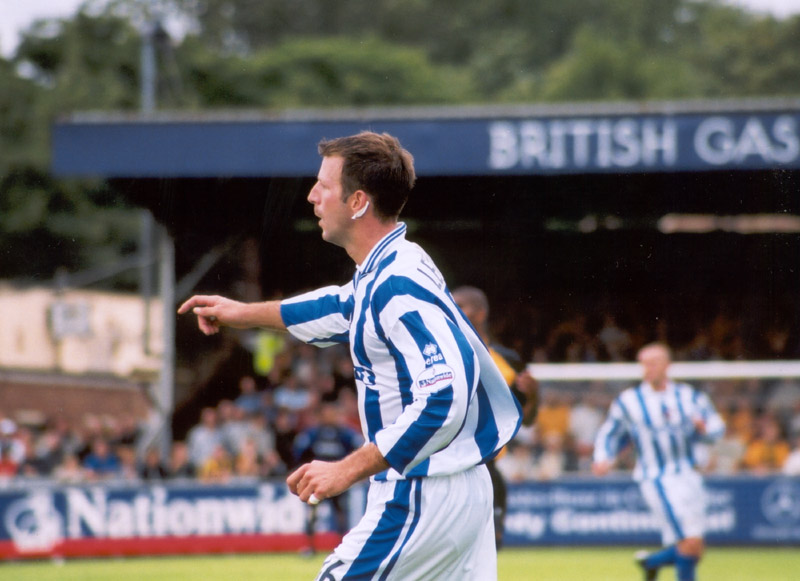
(654, 362)
(326, 196)
(468, 308)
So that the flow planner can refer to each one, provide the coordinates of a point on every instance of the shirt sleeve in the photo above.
(321, 317)
(440, 366)
(715, 425)
(612, 434)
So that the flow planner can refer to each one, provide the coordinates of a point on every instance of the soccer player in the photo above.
(664, 420)
(433, 406)
(473, 303)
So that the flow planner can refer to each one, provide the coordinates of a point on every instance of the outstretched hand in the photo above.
(214, 311)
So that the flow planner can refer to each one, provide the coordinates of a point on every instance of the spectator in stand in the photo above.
(218, 468)
(128, 466)
(585, 418)
(553, 460)
(699, 348)
(151, 467)
(234, 426)
(125, 430)
(343, 374)
(8, 466)
(70, 470)
(31, 465)
(91, 429)
(615, 341)
(264, 440)
(348, 401)
(101, 463)
(249, 400)
(204, 438)
(50, 451)
(783, 399)
(793, 423)
(11, 446)
(769, 450)
(740, 418)
(248, 462)
(726, 454)
(791, 467)
(285, 433)
(554, 413)
(517, 464)
(291, 395)
(180, 466)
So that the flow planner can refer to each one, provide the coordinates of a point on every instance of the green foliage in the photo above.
(281, 54)
(345, 72)
(88, 62)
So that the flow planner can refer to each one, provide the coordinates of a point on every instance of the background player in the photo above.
(664, 420)
(329, 440)
(433, 405)
(473, 302)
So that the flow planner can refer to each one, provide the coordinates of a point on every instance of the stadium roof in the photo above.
(446, 141)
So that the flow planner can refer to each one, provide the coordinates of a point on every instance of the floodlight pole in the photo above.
(164, 391)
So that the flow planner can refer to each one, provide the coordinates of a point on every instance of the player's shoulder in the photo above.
(629, 394)
(686, 389)
(410, 267)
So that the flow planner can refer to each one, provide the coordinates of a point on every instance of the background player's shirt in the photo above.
(429, 395)
(325, 442)
(660, 426)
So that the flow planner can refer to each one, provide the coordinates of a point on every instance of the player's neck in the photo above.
(659, 385)
(366, 235)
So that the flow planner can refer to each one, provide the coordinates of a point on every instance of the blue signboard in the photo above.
(741, 511)
(101, 519)
(46, 518)
(490, 145)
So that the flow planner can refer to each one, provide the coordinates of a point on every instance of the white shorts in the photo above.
(679, 503)
(423, 528)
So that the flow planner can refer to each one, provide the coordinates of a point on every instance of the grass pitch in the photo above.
(540, 564)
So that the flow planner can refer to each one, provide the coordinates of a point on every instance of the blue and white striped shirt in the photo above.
(430, 396)
(660, 426)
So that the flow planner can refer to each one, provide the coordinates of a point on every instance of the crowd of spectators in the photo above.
(253, 436)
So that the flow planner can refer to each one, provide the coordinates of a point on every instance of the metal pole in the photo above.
(166, 387)
(146, 272)
(148, 66)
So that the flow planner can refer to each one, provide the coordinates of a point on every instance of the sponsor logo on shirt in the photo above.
(364, 375)
(435, 378)
(432, 355)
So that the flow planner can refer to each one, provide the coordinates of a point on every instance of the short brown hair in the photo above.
(377, 164)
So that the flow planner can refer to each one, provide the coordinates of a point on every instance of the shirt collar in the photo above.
(381, 249)
(649, 387)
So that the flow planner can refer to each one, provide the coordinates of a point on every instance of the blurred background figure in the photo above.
(102, 463)
(218, 468)
(475, 305)
(249, 400)
(204, 438)
(767, 452)
(151, 468)
(330, 440)
(180, 465)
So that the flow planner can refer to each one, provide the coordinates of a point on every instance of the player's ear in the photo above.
(359, 203)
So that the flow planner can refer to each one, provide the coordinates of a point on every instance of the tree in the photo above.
(87, 62)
